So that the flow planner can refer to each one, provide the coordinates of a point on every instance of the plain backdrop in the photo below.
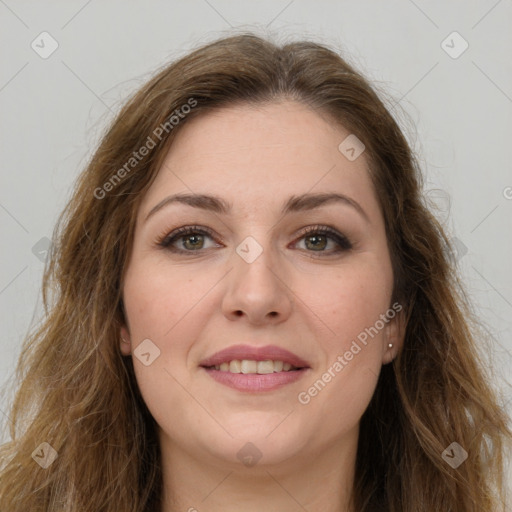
(67, 66)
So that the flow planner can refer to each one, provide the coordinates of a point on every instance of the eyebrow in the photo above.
(304, 202)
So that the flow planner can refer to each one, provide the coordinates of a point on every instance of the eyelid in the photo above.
(344, 244)
(164, 239)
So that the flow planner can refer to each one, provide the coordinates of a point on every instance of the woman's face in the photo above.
(271, 270)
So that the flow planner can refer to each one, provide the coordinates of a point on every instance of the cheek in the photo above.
(348, 300)
(351, 303)
(344, 398)
(163, 308)
(157, 302)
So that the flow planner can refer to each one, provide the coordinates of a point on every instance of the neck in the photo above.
(322, 482)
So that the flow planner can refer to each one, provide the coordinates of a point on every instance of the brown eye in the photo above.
(316, 242)
(317, 239)
(186, 239)
(196, 241)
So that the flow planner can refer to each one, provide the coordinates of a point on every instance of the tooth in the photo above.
(248, 366)
(265, 367)
(235, 366)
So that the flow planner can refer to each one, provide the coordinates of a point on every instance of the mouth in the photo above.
(255, 369)
(251, 366)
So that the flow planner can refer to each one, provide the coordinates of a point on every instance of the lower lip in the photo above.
(255, 382)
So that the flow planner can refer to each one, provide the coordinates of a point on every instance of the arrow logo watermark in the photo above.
(44, 455)
(249, 249)
(454, 45)
(352, 147)
(454, 455)
(44, 45)
(147, 352)
(41, 248)
(249, 455)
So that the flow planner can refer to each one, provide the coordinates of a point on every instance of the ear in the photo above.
(394, 334)
(125, 343)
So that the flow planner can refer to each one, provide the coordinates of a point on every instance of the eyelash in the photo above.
(167, 240)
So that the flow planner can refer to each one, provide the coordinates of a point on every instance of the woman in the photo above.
(253, 309)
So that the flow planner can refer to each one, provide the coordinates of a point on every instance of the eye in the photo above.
(192, 239)
(317, 239)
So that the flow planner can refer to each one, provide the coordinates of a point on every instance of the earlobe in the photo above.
(393, 338)
(125, 341)
(389, 354)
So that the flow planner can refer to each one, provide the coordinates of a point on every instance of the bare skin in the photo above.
(304, 292)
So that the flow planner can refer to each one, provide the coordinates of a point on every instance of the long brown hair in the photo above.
(79, 394)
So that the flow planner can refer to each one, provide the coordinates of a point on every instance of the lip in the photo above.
(268, 352)
(253, 382)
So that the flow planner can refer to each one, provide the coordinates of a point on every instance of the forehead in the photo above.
(265, 152)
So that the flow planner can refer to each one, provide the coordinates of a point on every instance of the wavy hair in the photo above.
(78, 393)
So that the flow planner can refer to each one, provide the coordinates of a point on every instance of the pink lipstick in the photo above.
(255, 369)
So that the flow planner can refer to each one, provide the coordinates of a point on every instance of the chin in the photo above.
(258, 438)
(263, 436)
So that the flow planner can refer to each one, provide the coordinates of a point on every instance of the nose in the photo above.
(258, 291)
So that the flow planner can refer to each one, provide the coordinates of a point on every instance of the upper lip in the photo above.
(266, 353)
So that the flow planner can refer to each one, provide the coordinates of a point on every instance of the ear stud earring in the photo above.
(390, 345)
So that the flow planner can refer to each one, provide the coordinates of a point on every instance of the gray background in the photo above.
(456, 110)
